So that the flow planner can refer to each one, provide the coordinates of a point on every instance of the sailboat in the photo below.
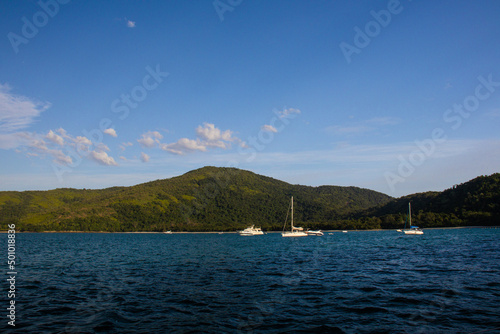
(412, 229)
(295, 231)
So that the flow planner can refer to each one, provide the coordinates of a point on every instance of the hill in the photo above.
(206, 199)
(473, 203)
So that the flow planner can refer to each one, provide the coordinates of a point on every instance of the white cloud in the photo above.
(269, 128)
(58, 145)
(111, 132)
(35, 145)
(150, 139)
(102, 147)
(130, 24)
(214, 137)
(383, 121)
(210, 133)
(62, 132)
(144, 157)
(363, 126)
(60, 157)
(345, 130)
(10, 141)
(147, 142)
(55, 138)
(288, 113)
(183, 146)
(80, 140)
(208, 136)
(17, 112)
(102, 158)
(124, 146)
(80, 143)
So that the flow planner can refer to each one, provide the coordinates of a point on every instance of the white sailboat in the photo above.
(412, 229)
(295, 231)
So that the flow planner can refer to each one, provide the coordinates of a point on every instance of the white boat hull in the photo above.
(294, 234)
(250, 234)
(413, 232)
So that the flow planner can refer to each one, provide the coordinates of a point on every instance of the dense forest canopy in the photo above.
(229, 199)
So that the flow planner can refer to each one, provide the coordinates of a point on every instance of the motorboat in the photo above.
(252, 230)
(317, 233)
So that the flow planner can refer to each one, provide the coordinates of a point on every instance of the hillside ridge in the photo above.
(228, 199)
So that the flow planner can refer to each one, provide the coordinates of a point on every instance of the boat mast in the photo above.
(292, 213)
(409, 211)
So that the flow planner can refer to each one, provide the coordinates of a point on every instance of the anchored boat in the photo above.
(412, 229)
(252, 230)
(295, 231)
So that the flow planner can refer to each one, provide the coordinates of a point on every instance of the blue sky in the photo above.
(395, 96)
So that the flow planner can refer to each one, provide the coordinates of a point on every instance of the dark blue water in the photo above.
(445, 281)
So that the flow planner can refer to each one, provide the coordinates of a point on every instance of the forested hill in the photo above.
(476, 202)
(229, 199)
(206, 199)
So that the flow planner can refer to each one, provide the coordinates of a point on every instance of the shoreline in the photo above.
(236, 232)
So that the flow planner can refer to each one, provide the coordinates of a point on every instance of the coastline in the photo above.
(236, 232)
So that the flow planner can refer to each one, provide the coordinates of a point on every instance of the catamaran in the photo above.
(412, 229)
(252, 230)
(295, 231)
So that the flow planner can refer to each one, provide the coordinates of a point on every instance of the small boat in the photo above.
(344, 231)
(400, 230)
(412, 229)
(317, 233)
(252, 230)
(168, 232)
(295, 231)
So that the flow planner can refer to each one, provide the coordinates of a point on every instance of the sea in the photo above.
(445, 281)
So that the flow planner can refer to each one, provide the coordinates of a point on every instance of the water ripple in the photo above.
(363, 282)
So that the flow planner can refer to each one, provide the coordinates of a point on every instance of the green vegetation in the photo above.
(229, 199)
(474, 203)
